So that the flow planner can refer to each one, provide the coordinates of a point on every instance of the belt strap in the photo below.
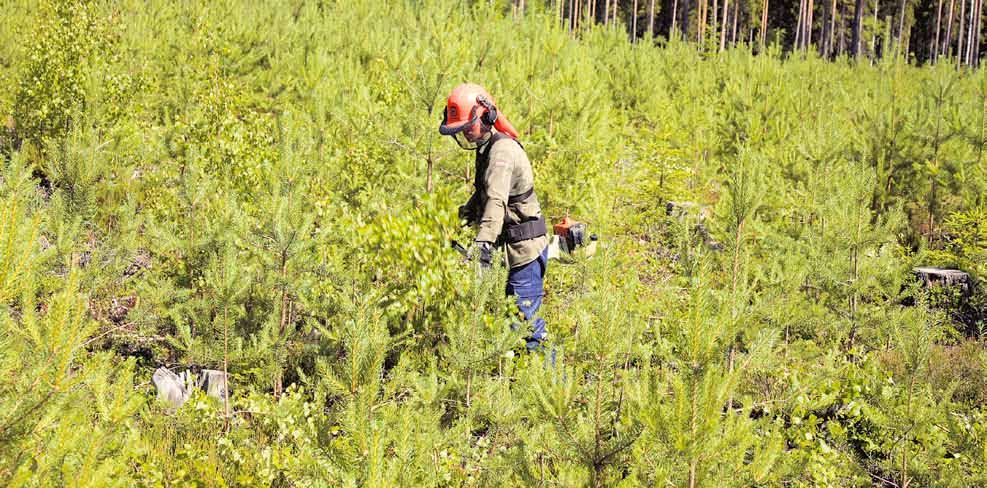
(520, 197)
(524, 230)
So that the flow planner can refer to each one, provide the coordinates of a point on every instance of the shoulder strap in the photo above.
(483, 160)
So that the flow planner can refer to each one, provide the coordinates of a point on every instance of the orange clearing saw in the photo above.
(568, 237)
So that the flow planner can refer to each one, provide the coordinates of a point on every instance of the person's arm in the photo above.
(498, 187)
(469, 211)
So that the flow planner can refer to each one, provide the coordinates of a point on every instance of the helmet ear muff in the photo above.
(490, 115)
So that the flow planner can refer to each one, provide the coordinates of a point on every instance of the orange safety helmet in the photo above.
(468, 103)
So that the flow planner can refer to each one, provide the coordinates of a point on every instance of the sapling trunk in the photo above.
(983, 124)
(226, 367)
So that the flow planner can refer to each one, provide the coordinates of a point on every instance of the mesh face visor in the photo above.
(464, 142)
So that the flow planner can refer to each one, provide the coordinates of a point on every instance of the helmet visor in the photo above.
(452, 128)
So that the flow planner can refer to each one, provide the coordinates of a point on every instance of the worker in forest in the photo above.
(504, 206)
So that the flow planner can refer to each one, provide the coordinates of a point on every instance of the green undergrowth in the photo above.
(264, 185)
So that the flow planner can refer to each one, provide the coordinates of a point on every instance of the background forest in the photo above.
(260, 187)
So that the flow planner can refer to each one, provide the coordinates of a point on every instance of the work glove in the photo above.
(483, 252)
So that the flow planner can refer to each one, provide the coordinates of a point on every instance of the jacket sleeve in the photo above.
(498, 183)
(471, 208)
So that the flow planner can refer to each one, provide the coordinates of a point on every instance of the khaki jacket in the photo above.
(506, 172)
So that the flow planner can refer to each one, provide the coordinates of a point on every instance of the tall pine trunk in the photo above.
(842, 34)
(858, 15)
(934, 49)
(976, 37)
(947, 43)
(969, 35)
(716, 20)
(873, 36)
(651, 21)
(901, 28)
(832, 31)
(701, 25)
(675, 13)
(798, 26)
(723, 31)
(764, 23)
(736, 17)
(961, 36)
(634, 23)
(808, 24)
(686, 10)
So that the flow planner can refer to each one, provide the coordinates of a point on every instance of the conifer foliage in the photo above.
(259, 188)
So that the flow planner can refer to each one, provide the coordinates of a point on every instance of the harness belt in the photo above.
(520, 197)
(511, 232)
(524, 230)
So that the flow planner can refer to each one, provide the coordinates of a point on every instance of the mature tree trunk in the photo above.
(764, 23)
(808, 24)
(651, 21)
(842, 34)
(858, 15)
(972, 26)
(873, 36)
(634, 23)
(798, 26)
(723, 31)
(947, 42)
(901, 27)
(976, 37)
(934, 49)
(686, 10)
(961, 36)
(701, 22)
(675, 18)
(716, 20)
(736, 15)
(832, 30)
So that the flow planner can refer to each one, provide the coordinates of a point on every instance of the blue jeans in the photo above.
(526, 283)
